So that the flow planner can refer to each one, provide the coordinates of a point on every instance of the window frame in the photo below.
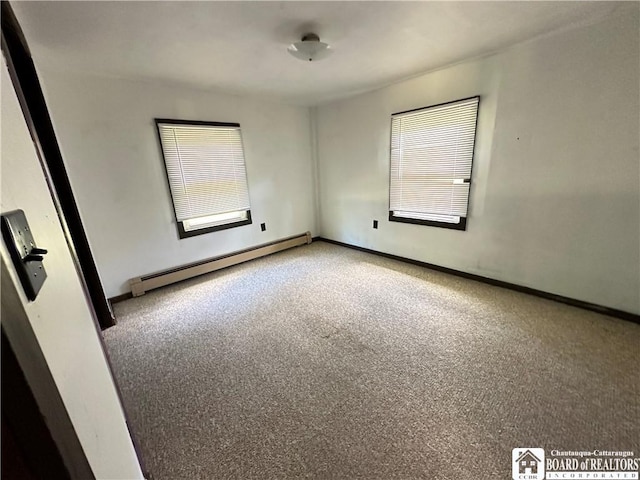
(182, 232)
(462, 224)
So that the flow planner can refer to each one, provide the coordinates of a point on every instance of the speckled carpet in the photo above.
(324, 362)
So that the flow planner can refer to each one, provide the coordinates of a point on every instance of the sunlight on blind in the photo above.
(206, 169)
(431, 155)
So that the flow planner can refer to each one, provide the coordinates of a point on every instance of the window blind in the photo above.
(431, 155)
(206, 169)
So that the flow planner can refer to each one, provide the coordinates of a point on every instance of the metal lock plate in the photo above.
(26, 256)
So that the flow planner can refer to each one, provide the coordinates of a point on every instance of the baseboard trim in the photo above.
(612, 312)
(120, 298)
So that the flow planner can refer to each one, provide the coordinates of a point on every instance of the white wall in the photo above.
(108, 140)
(555, 198)
(60, 317)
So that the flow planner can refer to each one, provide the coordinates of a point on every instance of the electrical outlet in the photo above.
(263, 226)
(375, 224)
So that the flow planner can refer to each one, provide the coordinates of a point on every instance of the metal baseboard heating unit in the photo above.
(141, 285)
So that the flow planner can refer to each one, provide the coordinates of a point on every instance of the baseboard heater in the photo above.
(141, 285)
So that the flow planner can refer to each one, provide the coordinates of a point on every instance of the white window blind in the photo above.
(206, 170)
(431, 155)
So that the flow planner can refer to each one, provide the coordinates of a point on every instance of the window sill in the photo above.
(182, 233)
(462, 225)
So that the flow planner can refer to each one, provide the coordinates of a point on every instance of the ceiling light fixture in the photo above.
(310, 48)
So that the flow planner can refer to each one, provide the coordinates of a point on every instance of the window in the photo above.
(431, 158)
(207, 175)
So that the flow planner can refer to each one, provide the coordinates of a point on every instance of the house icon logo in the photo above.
(527, 463)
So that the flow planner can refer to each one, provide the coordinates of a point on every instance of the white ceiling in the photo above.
(241, 47)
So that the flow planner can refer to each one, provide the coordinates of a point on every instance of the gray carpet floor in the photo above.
(325, 362)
